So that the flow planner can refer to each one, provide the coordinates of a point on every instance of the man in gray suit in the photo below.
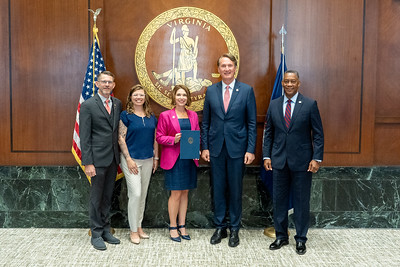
(98, 128)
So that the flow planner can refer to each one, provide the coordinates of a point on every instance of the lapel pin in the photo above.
(237, 90)
(173, 117)
(300, 102)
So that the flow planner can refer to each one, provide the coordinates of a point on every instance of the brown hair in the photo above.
(129, 104)
(187, 91)
(230, 56)
(108, 73)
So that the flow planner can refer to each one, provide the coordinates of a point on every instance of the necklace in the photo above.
(181, 114)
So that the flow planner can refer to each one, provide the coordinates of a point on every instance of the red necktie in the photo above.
(107, 106)
(227, 97)
(288, 114)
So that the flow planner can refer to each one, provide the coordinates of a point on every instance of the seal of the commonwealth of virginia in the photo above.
(181, 46)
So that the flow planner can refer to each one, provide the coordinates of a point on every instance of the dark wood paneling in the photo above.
(5, 85)
(387, 128)
(325, 44)
(388, 60)
(387, 144)
(49, 43)
(367, 112)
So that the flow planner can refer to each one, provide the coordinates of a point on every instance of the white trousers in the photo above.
(137, 190)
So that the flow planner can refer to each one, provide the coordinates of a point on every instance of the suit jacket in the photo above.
(302, 142)
(98, 132)
(237, 126)
(167, 127)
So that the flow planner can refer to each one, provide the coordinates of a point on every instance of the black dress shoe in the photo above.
(218, 235)
(98, 243)
(109, 238)
(301, 248)
(278, 243)
(234, 238)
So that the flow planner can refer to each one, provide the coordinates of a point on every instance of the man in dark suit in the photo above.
(228, 138)
(293, 147)
(98, 127)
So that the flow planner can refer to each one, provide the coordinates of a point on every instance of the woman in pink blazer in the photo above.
(180, 174)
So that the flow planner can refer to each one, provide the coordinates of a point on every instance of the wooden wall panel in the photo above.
(46, 50)
(387, 144)
(387, 127)
(388, 60)
(325, 44)
(5, 85)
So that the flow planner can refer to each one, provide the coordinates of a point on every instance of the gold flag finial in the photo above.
(95, 14)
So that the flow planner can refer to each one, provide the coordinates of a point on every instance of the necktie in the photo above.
(107, 106)
(226, 98)
(288, 114)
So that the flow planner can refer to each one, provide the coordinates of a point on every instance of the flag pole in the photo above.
(95, 37)
(270, 231)
(283, 32)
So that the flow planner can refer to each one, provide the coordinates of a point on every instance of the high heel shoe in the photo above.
(144, 236)
(134, 240)
(176, 239)
(186, 237)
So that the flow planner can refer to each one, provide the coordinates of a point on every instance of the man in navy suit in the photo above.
(228, 138)
(293, 147)
(98, 128)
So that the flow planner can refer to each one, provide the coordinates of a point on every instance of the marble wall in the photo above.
(58, 197)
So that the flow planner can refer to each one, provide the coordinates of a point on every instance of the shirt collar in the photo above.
(231, 85)
(103, 99)
(293, 99)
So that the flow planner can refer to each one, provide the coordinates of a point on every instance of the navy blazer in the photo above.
(98, 132)
(237, 127)
(302, 142)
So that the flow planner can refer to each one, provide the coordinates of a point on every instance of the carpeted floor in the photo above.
(325, 247)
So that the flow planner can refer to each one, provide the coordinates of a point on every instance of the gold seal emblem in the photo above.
(190, 140)
(181, 46)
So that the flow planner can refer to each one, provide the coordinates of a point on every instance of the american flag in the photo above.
(94, 67)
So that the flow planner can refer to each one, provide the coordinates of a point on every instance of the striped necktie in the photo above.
(288, 113)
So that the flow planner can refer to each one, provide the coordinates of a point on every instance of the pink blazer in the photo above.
(167, 127)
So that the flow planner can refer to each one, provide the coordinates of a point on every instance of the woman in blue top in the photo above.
(139, 155)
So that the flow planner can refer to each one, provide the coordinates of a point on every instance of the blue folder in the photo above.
(190, 144)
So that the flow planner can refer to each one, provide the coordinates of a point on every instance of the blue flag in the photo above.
(266, 176)
(277, 91)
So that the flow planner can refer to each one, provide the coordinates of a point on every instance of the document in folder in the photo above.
(190, 144)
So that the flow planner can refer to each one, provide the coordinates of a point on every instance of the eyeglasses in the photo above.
(106, 82)
(138, 95)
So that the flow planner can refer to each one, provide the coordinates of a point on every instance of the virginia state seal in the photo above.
(181, 46)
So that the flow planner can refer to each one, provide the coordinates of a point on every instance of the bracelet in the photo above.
(156, 158)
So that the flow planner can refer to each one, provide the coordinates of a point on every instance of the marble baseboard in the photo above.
(367, 197)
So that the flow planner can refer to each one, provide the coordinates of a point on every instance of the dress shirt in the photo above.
(230, 89)
(103, 99)
(285, 100)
